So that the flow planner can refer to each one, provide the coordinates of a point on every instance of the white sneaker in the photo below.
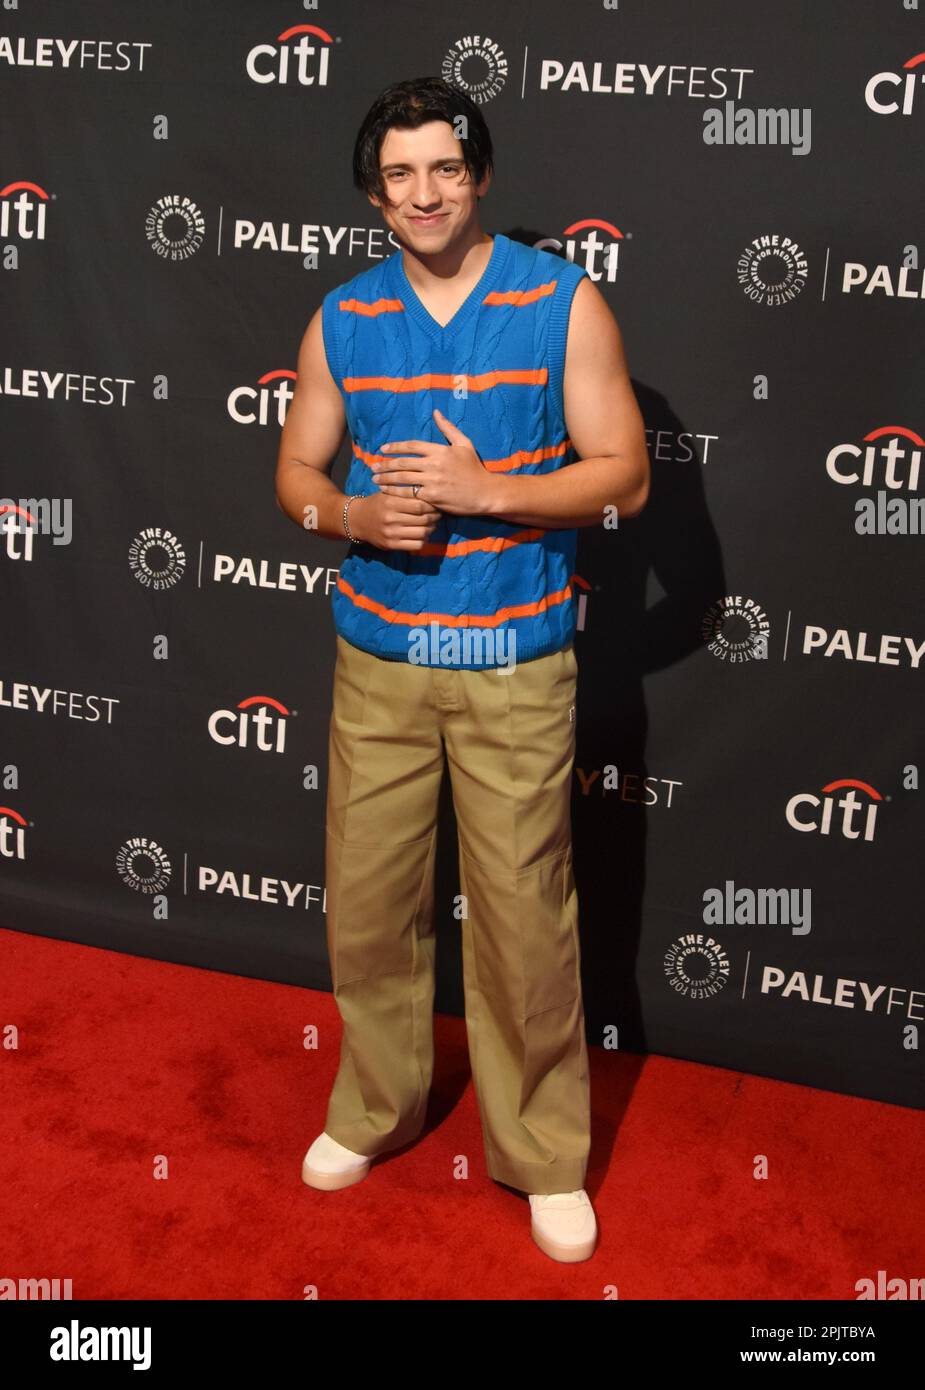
(329, 1166)
(563, 1224)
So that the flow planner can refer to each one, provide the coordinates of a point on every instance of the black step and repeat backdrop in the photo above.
(744, 186)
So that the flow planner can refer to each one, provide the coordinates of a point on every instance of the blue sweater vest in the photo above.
(496, 370)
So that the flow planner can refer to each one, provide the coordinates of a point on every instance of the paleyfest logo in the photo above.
(772, 270)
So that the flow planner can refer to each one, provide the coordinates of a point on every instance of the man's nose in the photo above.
(425, 194)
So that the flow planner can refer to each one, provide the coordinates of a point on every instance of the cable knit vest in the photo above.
(496, 370)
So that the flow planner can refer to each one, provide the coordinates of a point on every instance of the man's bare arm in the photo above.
(604, 423)
(311, 437)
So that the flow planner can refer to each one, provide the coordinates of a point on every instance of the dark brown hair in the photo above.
(408, 105)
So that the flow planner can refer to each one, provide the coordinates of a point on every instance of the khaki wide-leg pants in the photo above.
(510, 741)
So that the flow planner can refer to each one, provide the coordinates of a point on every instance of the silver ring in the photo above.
(415, 489)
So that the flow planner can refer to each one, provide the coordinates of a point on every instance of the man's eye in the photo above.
(400, 173)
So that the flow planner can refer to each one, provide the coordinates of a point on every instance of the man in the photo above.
(470, 370)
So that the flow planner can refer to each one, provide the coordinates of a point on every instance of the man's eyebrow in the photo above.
(434, 163)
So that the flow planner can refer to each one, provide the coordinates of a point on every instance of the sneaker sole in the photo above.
(332, 1182)
(567, 1254)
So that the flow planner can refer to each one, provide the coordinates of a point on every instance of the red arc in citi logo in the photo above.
(29, 209)
(882, 91)
(591, 245)
(12, 837)
(267, 62)
(802, 809)
(250, 405)
(258, 722)
(899, 466)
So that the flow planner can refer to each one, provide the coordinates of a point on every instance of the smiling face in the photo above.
(430, 200)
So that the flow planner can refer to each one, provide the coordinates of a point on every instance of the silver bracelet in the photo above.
(353, 540)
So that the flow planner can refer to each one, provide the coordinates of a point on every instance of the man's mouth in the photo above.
(430, 221)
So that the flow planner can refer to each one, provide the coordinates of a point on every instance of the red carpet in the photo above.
(123, 1059)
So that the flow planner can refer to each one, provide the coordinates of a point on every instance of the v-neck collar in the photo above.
(443, 332)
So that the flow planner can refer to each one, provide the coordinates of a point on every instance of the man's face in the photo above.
(424, 174)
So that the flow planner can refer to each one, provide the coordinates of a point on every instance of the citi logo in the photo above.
(22, 211)
(12, 834)
(581, 606)
(596, 250)
(251, 405)
(305, 62)
(892, 467)
(258, 722)
(17, 527)
(803, 810)
(887, 93)
(890, 464)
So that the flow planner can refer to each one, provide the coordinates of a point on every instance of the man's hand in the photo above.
(451, 476)
(392, 523)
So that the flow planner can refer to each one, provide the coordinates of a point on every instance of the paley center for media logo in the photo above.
(476, 65)
(772, 269)
(157, 560)
(175, 227)
(736, 629)
(144, 865)
(697, 967)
